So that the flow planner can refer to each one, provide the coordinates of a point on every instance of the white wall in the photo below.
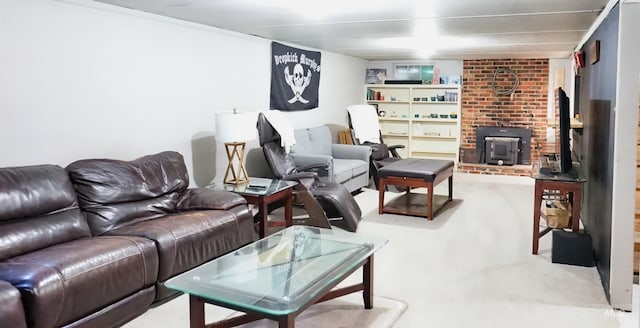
(563, 65)
(81, 79)
(624, 161)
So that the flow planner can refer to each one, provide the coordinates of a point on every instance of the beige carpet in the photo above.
(471, 267)
(343, 312)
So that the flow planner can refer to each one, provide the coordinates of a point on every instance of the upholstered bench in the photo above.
(414, 173)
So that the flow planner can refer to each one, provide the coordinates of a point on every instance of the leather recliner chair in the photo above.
(381, 153)
(324, 201)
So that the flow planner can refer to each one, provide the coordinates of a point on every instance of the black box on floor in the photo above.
(571, 248)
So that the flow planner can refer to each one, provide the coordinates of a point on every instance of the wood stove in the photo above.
(503, 145)
(502, 150)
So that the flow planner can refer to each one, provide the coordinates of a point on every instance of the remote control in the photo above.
(257, 187)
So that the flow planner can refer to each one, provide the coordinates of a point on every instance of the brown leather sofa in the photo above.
(90, 246)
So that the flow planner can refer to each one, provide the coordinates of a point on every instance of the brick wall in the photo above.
(526, 108)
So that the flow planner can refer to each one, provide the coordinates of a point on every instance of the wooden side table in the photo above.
(566, 185)
(263, 192)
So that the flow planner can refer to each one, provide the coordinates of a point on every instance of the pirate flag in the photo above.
(295, 78)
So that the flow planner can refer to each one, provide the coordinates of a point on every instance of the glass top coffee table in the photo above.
(278, 277)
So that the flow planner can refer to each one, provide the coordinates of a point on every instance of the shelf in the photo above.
(435, 102)
(444, 136)
(413, 86)
(387, 102)
(575, 124)
(393, 119)
(452, 153)
(437, 120)
(417, 136)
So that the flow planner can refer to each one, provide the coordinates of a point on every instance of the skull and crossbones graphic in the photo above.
(298, 82)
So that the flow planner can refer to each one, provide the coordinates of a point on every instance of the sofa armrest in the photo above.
(208, 199)
(351, 152)
(11, 311)
(323, 164)
(394, 150)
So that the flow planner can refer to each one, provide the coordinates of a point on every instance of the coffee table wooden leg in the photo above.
(367, 279)
(287, 321)
(196, 312)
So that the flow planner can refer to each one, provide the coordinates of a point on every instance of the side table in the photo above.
(567, 186)
(263, 192)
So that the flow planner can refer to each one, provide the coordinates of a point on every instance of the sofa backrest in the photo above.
(38, 208)
(115, 193)
(316, 140)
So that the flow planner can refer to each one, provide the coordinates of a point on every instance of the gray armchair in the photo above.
(345, 164)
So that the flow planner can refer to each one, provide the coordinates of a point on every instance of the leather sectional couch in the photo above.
(91, 245)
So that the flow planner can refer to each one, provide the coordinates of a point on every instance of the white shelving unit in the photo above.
(408, 118)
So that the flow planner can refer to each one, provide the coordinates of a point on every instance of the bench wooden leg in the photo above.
(430, 201)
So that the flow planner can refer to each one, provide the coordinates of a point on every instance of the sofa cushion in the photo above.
(115, 193)
(63, 283)
(345, 169)
(359, 167)
(187, 239)
(341, 171)
(316, 140)
(38, 208)
(208, 199)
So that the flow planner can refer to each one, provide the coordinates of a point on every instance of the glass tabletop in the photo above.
(574, 175)
(281, 273)
(255, 186)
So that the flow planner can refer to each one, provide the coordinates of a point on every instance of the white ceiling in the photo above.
(399, 29)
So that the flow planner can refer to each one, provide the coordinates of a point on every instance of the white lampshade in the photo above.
(236, 126)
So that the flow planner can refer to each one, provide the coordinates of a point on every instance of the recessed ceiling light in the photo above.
(322, 10)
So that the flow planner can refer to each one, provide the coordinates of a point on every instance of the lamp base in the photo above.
(235, 175)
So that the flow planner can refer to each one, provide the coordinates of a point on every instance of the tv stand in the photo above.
(567, 186)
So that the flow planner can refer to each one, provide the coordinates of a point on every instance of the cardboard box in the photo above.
(557, 213)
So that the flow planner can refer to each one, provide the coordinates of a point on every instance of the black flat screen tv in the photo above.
(565, 125)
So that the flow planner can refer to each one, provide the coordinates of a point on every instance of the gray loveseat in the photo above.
(346, 164)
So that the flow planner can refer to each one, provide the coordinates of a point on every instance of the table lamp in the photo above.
(234, 129)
